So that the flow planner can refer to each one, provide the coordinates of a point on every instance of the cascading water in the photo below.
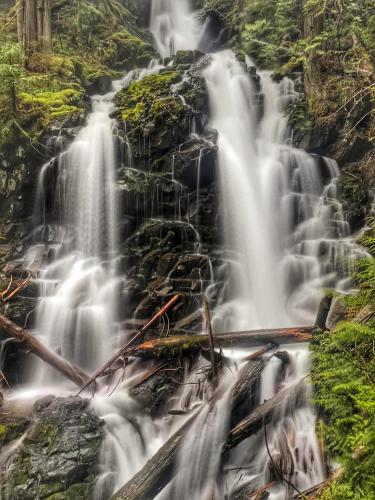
(174, 26)
(285, 240)
(78, 289)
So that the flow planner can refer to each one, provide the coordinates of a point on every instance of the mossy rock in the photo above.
(11, 428)
(149, 101)
(125, 51)
(60, 452)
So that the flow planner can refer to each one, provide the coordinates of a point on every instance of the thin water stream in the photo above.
(285, 238)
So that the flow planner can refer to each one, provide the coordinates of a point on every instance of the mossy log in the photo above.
(70, 371)
(179, 343)
(159, 470)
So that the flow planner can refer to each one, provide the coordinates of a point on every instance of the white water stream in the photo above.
(174, 26)
(285, 240)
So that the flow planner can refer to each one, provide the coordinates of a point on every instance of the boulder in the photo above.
(57, 453)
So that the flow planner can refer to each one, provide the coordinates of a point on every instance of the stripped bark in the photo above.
(175, 345)
(263, 350)
(70, 371)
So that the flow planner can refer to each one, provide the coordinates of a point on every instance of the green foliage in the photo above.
(11, 71)
(100, 31)
(343, 373)
(268, 35)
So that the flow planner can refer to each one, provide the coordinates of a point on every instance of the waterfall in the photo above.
(78, 288)
(284, 229)
(285, 240)
(174, 26)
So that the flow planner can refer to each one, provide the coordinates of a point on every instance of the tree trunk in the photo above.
(34, 25)
(175, 345)
(71, 372)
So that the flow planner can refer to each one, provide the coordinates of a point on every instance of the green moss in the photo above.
(10, 429)
(149, 101)
(47, 435)
(343, 373)
(81, 491)
(21, 478)
(50, 489)
(125, 51)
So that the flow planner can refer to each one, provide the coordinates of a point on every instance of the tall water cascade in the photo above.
(284, 240)
(174, 26)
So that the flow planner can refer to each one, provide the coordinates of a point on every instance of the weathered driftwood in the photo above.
(159, 470)
(179, 343)
(263, 414)
(124, 350)
(70, 371)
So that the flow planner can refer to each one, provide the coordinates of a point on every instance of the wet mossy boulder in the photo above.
(161, 110)
(124, 51)
(59, 454)
(150, 106)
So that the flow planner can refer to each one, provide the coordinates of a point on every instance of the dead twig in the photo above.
(124, 351)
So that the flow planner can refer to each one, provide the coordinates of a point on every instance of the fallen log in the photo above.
(70, 371)
(261, 351)
(124, 350)
(179, 343)
(211, 342)
(245, 387)
(263, 414)
(159, 470)
(244, 490)
(317, 491)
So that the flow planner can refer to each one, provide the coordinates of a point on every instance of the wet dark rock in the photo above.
(59, 452)
(194, 163)
(154, 394)
(101, 85)
(145, 194)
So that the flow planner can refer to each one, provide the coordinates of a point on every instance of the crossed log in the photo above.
(159, 470)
